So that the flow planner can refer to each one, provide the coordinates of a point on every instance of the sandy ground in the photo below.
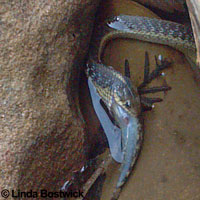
(169, 164)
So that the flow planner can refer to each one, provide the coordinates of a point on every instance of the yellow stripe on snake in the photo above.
(120, 97)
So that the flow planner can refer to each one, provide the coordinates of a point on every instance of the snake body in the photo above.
(120, 97)
(151, 30)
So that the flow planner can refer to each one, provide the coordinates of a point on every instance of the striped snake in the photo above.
(116, 91)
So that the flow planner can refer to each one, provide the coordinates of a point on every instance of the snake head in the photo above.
(119, 22)
(113, 133)
(126, 97)
(123, 103)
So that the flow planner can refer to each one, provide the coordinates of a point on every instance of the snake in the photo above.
(119, 95)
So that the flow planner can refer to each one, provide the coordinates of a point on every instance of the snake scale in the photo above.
(116, 91)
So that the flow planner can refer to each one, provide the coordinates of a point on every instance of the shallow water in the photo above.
(169, 164)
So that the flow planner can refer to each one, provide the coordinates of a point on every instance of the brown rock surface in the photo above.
(168, 166)
(167, 6)
(41, 131)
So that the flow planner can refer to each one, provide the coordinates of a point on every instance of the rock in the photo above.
(43, 45)
(166, 6)
(194, 8)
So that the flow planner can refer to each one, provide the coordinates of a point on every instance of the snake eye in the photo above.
(128, 103)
